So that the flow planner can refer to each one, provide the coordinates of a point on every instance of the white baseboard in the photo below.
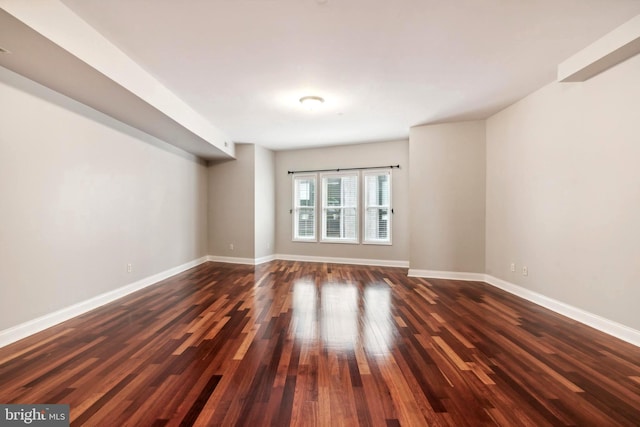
(451, 275)
(308, 258)
(264, 259)
(337, 260)
(600, 323)
(247, 261)
(41, 323)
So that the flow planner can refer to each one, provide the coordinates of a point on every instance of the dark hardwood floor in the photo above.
(290, 343)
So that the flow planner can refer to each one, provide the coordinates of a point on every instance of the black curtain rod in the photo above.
(345, 169)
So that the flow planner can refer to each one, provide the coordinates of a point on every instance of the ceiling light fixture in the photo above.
(311, 102)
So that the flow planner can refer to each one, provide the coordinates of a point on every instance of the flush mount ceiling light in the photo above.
(311, 102)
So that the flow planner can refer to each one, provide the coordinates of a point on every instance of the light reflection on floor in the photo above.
(339, 315)
(379, 329)
(344, 316)
(305, 319)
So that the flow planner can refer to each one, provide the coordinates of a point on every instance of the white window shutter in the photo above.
(377, 207)
(340, 207)
(304, 207)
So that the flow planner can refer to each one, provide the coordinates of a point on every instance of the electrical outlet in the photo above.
(513, 266)
(129, 268)
(230, 246)
(525, 271)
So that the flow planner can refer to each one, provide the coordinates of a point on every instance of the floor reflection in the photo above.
(379, 328)
(339, 315)
(305, 307)
(344, 316)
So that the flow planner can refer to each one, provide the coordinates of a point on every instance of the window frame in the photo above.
(366, 207)
(296, 209)
(361, 207)
(323, 193)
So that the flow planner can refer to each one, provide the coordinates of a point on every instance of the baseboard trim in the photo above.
(309, 258)
(337, 260)
(231, 260)
(450, 275)
(246, 261)
(41, 323)
(265, 259)
(600, 323)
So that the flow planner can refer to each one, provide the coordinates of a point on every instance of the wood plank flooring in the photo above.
(290, 343)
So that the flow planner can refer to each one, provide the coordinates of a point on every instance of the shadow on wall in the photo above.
(35, 89)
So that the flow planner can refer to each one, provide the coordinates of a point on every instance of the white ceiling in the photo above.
(381, 65)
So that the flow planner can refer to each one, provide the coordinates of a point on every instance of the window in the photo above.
(340, 208)
(304, 207)
(377, 207)
(344, 214)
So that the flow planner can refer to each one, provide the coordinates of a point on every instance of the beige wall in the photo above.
(232, 205)
(265, 196)
(563, 193)
(447, 197)
(241, 204)
(363, 155)
(82, 196)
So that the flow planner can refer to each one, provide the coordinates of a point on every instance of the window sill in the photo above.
(373, 242)
(341, 242)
